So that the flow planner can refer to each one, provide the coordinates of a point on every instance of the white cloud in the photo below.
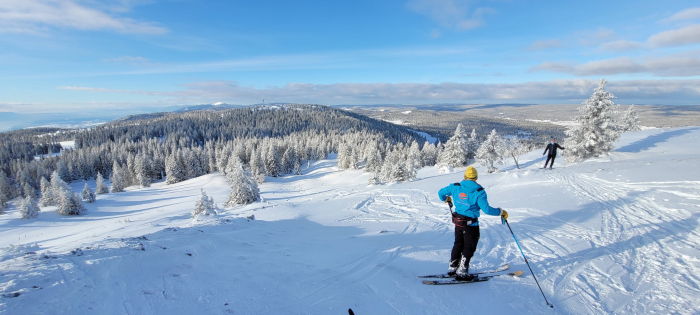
(451, 13)
(686, 35)
(687, 14)
(679, 64)
(621, 45)
(594, 38)
(37, 16)
(373, 93)
(544, 44)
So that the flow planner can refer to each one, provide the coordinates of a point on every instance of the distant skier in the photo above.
(552, 148)
(469, 197)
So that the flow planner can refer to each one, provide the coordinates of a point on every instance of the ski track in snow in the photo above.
(601, 241)
(638, 253)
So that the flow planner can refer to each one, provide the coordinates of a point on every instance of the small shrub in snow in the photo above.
(88, 195)
(514, 148)
(444, 169)
(28, 208)
(101, 187)
(204, 205)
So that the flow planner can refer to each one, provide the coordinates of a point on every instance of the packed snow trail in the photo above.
(617, 234)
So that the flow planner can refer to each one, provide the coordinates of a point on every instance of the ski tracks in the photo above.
(644, 253)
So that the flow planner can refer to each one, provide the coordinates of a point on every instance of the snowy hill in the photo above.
(616, 234)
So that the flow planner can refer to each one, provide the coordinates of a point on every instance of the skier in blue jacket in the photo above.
(469, 199)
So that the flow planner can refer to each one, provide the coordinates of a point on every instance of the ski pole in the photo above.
(528, 264)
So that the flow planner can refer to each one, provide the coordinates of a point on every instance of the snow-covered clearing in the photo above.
(617, 234)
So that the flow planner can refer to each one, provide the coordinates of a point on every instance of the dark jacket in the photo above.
(552, 148)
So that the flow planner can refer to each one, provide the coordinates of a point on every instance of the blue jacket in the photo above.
(468, 199)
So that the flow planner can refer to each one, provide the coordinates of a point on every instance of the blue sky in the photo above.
(62, 56)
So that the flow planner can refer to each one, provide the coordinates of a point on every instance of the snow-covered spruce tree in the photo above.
(63, 171)
(87, 194)
(343, 156)
(272, 161)
(143, 171)
(116, 179)
(101, 186)
(490, 152)
(5, 190)
(47, 197)
(374, 161)
(29, 191)
(58, 186)
(297, 165)
(472, 144)
(204, 205)
(69, 203)
(244, 189)
(455, 152)
(428, 154)
(414, 156)
(630, 121)
(28, 208)
(175, 168)
(595, 130)
(514, 148)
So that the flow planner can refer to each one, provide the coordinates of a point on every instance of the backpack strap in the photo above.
(457, 184)
(480, 189)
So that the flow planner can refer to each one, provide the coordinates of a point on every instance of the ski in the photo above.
(479, 279)
(446, 276)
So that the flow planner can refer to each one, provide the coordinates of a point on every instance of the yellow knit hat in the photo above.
(470, 173)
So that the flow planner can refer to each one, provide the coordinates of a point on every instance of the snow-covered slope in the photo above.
(617, 234)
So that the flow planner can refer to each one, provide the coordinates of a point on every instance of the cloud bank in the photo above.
(37, 16)
(570, 91)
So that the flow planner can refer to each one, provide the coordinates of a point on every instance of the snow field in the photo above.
(616, 234)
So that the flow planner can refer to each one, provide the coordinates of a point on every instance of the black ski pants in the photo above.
(466, 239)
(552, 157)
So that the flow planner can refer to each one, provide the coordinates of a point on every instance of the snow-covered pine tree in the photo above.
(5, 190)
(414, 156)
(58, 186)
(286, 161)
(244, 189)
(272, 161)
(63, 171)
(69, 203)
(374, 161)
(116, 179)
(101, 187)
(342, 157)
(29, 191)
(490, 152)
(455, 152)
(373, 180)
(175, 168)
(595, 130)
(204, 205)
(428, 154)
(297, 165)
(47, 196)
(472, 145)
(514, 148)
(87, 194)
(28, 208)
(143, 171)
(630, 121)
